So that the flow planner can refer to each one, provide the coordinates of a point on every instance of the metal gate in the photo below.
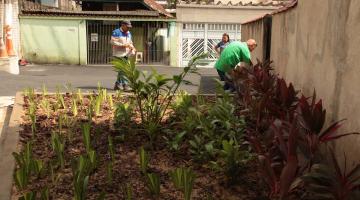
(201, 38)
(98, 41)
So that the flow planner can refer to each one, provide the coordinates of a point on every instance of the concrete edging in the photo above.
(9, 144)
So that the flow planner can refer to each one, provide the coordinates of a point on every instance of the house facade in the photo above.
(81, 33)
(200, 24)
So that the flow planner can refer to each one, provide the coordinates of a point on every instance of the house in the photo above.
(80, 34)
(201, 23)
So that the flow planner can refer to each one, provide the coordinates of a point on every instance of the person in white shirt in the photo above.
(123, 47)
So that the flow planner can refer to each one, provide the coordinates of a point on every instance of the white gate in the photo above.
(201, 38)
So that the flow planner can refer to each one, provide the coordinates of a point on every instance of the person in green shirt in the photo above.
(235, 53)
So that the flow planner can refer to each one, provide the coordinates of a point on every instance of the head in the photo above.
(251, 44)
(225, 37)
(125, 25)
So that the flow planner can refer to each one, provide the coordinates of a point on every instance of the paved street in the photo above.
(83, 77)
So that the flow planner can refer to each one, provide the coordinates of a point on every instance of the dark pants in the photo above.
(228, 83)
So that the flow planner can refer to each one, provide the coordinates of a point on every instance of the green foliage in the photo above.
(86, 136)
(28, 196)
(182, 103)
(144, 160)
(153, 184)
(123, 113)
(97, 106)
(45, 194)
(32, 115)
(81, 169)
(183, 179)
(174, 141)
(74, 108)
(109, 172)
(79, 97)
(153, 92)
(45, 105)
(58, 146)
(128, 192)
(234, 160)
(30, 93)
(27, 165)
(111, 101)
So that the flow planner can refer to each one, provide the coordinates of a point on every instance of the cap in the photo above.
(127, 23)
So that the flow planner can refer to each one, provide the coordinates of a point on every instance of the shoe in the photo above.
(125, 87)
(117, 86)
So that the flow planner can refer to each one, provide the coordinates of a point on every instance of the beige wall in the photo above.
(219, 14)
(255, 31)
(316, 46)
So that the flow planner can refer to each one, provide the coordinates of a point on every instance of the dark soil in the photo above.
(128, 138)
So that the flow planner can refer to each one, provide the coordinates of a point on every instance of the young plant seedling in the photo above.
(153, 184)
(58, 146)
(183, 179)
(86, 136)
(144, 160)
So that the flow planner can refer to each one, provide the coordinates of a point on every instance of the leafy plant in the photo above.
(333, 181)
(123, 113)
(30, 93)
(174, 142)
(144, 160)
(154, 93)
(32, 115)
(58, 146)
(45, 194)
(29, 196)
(111, 101)
(312, 120)
(128, 192)
(183, 179)
(109, 172)
(79, 97)
(86, 136)
(80, 179)
(27, 166)
(45, 105)
(153, 184)
(92, 160)
(235, 160)
(97, 106)
(74, 108)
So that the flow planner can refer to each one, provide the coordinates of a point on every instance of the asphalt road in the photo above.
(87, 78)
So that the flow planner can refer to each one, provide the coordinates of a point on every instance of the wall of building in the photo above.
(255, 31)
(315, 46)
(53, 40)
(219, 14)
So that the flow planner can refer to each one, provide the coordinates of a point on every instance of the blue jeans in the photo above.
(121, 79)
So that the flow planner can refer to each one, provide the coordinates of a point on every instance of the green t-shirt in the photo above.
(232, 55)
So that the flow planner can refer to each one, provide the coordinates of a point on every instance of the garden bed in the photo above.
(127, 140)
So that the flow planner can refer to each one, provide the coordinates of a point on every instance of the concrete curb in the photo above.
(8, 144)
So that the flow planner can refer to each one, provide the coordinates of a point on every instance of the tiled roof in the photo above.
(138, 13)
(157, 7)
(286, 7)
(237, 3)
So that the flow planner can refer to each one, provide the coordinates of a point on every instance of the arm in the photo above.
(216, 48)
(114, 41)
